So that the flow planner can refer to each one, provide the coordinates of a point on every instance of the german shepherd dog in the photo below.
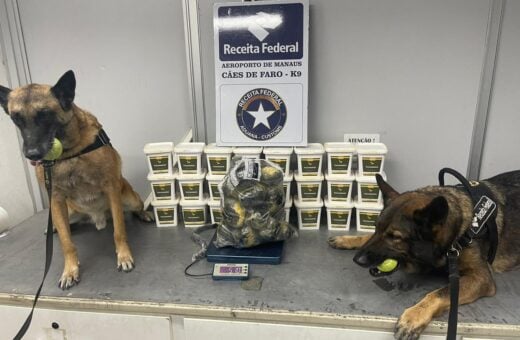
(434, 217)
(88, 185)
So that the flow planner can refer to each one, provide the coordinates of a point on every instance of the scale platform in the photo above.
(268, 253)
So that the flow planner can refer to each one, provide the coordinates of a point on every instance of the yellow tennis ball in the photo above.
(387, 265)
(55, 152)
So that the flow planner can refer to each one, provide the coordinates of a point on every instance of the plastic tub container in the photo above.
(213, 184)
(163, 186)
(368, 190)
(218, 159)
(248, 151)
(191, 186)
(288, 206)
(309, 187)
(371, 158)
(194, 212)
(165, 212)
(189, 157)
(215, 211)
(280, 156)
(338, 214)
(339, 187)
(310, 159)
(287, 180)
(339, 158)
(366, 216)
(309, 214)
(160, 157)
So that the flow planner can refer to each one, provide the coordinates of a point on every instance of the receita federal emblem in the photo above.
(261, 114)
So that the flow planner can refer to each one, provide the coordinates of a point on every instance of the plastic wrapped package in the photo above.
(253, 200)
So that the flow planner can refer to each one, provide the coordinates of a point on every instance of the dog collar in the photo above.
(101, 140)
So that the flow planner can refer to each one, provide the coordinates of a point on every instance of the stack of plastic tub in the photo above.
(191, 183)
(309, 179)
(162, 175)
(219, 161)
(340, 181)
(281, 156)
(371, 161)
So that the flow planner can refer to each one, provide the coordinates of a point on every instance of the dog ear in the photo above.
(4, 93)
(434, 213)
(388, 192)
(64, 90)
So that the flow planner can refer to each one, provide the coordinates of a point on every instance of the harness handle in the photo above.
(455, 174)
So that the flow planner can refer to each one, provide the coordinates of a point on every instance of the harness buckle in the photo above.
(454, 250)
(48, 164)
(474, 183)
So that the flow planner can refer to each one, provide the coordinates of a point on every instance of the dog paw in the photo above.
(344, 242)
(69, 278)
(145, 216)
(410, 325)
(125, 262)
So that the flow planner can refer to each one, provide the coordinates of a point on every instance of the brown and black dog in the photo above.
(88, 185)
(433, 217)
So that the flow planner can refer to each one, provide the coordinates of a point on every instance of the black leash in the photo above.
(47, 171)
(101, 140)
(483, 224)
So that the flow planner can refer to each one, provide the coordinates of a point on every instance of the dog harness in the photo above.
(100, 141)
(483, 225)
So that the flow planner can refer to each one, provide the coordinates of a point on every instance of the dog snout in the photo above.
(361, 259)
(34, 154)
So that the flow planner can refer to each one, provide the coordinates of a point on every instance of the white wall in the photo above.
(130, 64)
(502, 137)
(15, 196)
(407, 69)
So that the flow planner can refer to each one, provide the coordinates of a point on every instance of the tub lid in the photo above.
(340, 147)
(247, 150)
(214, 203)
(189, 147)
(299, 178)
(369, 179)
(372, 148)
(188, 177)
(288, 202)
(278, 151)
(338, 204)
(215, 177)
(289, 177)
(162, 177)
(158, 147)
(311, 148)
(165, 203)
(213, 148)
(307, 204)
(340, 177)
(194, 203)
(369, 206)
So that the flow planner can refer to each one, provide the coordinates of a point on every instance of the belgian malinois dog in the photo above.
(433, 217)
(88, 185)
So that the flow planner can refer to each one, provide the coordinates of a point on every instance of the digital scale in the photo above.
(230, 271)
(233, 263)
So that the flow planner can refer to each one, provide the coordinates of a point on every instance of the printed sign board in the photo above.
(261, 68)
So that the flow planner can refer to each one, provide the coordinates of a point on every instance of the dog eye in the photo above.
(42, 116)
(395, 236)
